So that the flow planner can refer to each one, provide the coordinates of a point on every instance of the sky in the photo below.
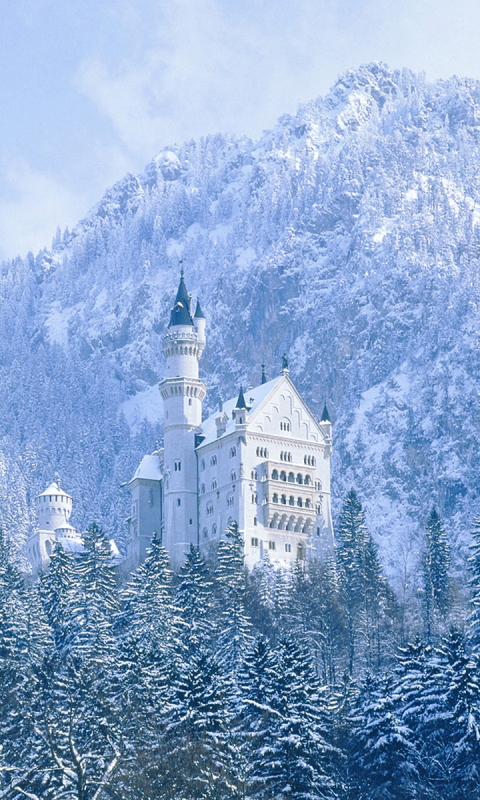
(91, 90)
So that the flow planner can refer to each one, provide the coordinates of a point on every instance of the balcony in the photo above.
(290, 498)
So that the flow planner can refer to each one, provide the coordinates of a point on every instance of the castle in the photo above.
(262, 459)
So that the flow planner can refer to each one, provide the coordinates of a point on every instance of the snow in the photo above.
(148, 469)
(145, 405)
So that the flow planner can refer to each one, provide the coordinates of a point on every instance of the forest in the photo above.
(312, 683)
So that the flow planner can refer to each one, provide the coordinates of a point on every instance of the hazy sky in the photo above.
(92, 89)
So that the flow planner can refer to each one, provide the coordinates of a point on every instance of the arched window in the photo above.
(275, 498)
(299, 502)
(318, 508)
(254, 475)
(291, 500)
(214, 484)
(205, 533)
(213, 461)
(307, 480)
(214, 530)
(283, 475)
(202, 464)
(230, 500)
(274, 475)
(308, 503)
(177, 465)
(233, 476)
(300, 552)
(202, 489)
(299, 478)
(233, 452)
(305, 460)
(291, 477)
(285, 425)
(254, 498)
(284, 499)
(209, 509)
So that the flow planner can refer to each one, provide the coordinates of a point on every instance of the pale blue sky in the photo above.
(91, 90)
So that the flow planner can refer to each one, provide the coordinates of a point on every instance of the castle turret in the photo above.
(183, 393)
(54, 509)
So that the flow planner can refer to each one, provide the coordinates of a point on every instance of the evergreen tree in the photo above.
(194, 603)
(436, 562)
(230, 585)
(474, 570)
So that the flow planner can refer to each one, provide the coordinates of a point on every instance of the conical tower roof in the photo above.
(180, 314)
(325, 415)
(198, 311)
(241, 400)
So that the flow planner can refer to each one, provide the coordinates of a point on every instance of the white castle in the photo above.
(262, 460)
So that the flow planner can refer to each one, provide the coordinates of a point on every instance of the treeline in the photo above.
(216, 684)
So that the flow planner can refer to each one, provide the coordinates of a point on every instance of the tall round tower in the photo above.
(183, 393)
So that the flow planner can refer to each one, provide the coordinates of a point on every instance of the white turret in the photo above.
(54, 509)
(183, 393)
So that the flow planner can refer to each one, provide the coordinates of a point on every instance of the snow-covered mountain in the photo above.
(348, 236)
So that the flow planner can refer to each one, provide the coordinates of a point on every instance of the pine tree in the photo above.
(474, 570)
(436, 562)
(194, 603)
(384, 761)
(230, 584)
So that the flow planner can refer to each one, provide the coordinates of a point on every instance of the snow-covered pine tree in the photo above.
(436, 562)
(195, 604)
(197, 756)
(473, 621)
(384, 762)
(304, 762)
(230, 586)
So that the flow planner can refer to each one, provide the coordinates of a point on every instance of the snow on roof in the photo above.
(71, 545)
(253, 397)
(54, 488)
(148, 469)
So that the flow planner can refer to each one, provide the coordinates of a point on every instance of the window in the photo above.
(275, 498)
(202, 464)
(191, 522)
(254, 498)
(262, 452)
(309, 460)
(189, 401)
(254, 475)
(274, 475)
(214, 484)
(299, 478)
(213, 461)
(230, 500)
(254, 541)
(318, 485)
(288, 548)
(202, 489)
(214, 530)
(291, 500)
(308, 503)
(318, 508)
(271, 545)
(300, 552)
(283, 476)
(179, 502)
(284, 425)
(233, 476)
(318, 531)
(177, 465)
(205, 533)
(255, 522)
(307, 480)
(233, 452)
(300, 502)
(284, 499)
(209, 509)
(291, 477)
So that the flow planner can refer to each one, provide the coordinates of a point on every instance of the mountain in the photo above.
(348, 237)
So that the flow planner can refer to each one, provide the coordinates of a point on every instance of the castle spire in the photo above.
(264, 377)
(180, 314)
(241, 399)
(198, 311)
(325, 415)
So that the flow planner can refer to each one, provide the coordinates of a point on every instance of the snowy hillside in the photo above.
(348, 237)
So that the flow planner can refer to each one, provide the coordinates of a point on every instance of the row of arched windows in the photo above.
(310, 460)
(285, 456)
(233, 452)
(300, 479)
(284, 425)
(214, 531)
(262, 452)
(291, 501)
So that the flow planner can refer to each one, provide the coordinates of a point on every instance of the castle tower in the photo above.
(54, 509)
(183, 393)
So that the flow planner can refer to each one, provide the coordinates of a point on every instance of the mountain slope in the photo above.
(347, 236)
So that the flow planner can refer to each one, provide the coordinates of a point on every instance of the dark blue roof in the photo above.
(180, 314)
(198, 311)
(325, 415)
